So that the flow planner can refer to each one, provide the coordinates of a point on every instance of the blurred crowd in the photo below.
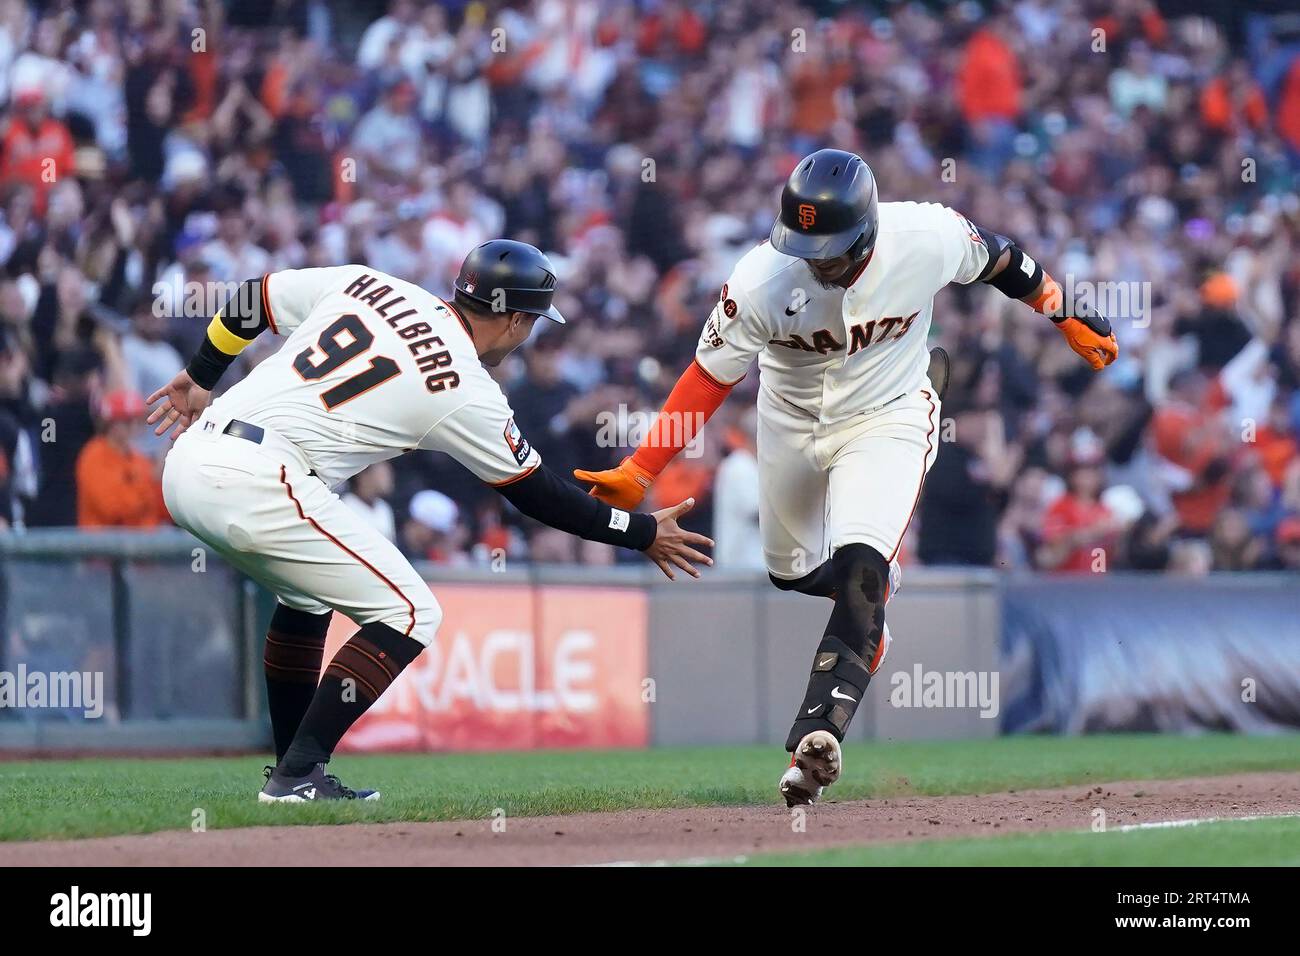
(154, 149)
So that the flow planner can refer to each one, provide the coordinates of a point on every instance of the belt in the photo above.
(253, 433)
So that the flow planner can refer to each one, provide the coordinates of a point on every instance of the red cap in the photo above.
(121, 405)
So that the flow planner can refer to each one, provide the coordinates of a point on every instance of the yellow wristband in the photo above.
(224, 339)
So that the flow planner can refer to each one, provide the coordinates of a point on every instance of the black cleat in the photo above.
(317, 785)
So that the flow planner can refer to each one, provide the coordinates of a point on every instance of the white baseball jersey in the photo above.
(372, 367)
(835, 353)
(375, 366)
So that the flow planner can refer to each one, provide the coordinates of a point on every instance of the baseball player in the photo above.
(837, 307)
(372, 366)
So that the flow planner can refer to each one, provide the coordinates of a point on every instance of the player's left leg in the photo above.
(875, 477)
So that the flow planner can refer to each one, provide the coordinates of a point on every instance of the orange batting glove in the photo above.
(1088, 333)
(1091, 336)
(621, 487)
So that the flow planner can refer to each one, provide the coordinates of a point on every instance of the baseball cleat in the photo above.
(814, 765)
(317, 785)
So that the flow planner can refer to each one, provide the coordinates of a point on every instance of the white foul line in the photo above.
(1197, 821)
(1126, 828)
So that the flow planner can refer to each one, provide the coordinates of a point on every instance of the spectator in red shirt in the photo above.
(1077, 523)
(989, 87)
(37, 148)
(988, 80)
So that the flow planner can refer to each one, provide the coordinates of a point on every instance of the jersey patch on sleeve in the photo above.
(517, 443)
(618, 520)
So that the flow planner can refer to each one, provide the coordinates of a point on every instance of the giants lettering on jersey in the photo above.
(861, 336)
(427, 349)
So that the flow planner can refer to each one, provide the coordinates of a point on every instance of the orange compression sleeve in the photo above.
(693, 400)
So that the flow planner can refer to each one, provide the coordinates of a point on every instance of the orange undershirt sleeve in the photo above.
(1048, 300)
(693, 400)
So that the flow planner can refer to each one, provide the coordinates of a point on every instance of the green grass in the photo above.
(1229, 843)
(41, 799)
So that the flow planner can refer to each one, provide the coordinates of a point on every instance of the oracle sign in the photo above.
(516, 667)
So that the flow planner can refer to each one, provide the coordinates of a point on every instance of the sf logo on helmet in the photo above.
(807, 215)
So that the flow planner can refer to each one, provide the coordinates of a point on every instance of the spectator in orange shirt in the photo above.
(117, 486)
(813, 86)
(988, 80)
(673, 28)
(37, 148)
(1231, 99)
(1288, 109)
(1275, 443)
(1188, 432)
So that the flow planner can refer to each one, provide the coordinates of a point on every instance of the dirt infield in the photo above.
(699, 833)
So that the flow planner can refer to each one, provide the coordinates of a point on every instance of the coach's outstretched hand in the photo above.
(672, 544)
(184, 403)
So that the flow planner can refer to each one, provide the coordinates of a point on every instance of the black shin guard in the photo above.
(295, 644)
(843, 665)
(835, 688)
(358, 675)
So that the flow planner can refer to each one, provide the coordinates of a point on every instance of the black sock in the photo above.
(295, 644)
(360, 672)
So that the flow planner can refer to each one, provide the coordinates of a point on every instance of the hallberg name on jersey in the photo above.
(410, 326)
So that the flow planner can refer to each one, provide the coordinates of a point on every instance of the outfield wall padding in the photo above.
(1095, 653)
(547, 656)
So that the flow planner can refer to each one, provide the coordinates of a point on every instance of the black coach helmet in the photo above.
(509, 276)
(828, 208)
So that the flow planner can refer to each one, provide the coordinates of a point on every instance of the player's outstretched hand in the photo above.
(182, 402)
(673, 545)
(621, 487)
(1091, 337)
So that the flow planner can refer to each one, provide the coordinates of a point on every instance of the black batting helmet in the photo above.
(828, 208)
(509, 276)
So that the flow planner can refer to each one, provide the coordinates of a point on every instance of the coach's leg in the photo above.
(314, 545)
(358, 675)
(295, 645)
(851, 647)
